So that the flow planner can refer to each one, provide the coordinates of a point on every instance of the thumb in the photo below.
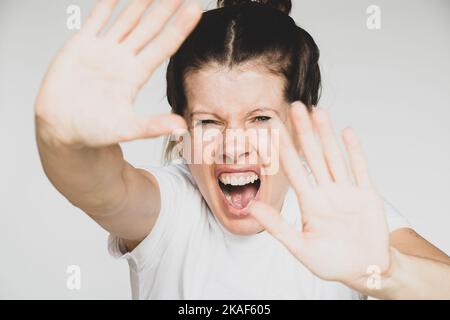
(138, 127)
(272, 221)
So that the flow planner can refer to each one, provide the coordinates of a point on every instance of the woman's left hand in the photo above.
(344, 235)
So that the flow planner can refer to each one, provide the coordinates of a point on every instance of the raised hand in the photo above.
(344, 232)
(87, 95)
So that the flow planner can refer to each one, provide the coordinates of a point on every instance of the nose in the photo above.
(236, 149)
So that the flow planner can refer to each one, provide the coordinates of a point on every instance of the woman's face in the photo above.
(229, 116)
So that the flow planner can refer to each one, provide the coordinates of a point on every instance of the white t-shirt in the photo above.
(190, 255)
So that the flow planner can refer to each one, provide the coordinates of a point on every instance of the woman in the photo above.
(207, 229)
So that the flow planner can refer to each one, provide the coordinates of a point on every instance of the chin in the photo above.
(244, 226)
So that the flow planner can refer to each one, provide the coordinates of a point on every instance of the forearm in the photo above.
(411, 277)
(90, 178)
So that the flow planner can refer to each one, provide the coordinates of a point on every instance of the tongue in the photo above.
(242, 195)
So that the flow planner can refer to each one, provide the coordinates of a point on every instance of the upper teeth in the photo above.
(238, 179)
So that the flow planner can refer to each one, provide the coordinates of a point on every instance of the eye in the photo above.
(261, 119)
(206, 122)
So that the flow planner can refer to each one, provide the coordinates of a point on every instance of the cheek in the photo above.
(278, 185)
(202, 175)
(204, 146)
(280, 179)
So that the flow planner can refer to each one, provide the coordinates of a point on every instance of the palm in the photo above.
(91, 86)
(343, 227)
(91, 91)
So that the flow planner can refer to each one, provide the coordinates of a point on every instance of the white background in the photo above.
(392, 85)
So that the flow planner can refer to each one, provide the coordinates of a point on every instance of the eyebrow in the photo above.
(264, 109)
(191, 114)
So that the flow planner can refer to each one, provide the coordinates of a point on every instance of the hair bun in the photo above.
(284, 6)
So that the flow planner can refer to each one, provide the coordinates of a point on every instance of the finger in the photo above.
(333, 154)
(128, 19)
(263, 150)
(151, 127)
(99, 16)
(273, 223)
(290, 160)
(152, 24)
(310, 147)
(171, 38)
(358, 162)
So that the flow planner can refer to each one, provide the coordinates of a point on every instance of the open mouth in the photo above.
(239, 188)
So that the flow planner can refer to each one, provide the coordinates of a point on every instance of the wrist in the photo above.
(381, 283)
(391, 278)
(49, 135)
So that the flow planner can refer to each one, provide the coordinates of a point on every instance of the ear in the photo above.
(178, 143)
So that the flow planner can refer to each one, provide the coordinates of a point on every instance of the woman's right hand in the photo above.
(87, 95)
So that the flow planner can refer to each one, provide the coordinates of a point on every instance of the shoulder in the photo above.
(394, 217)
(171, 177)
(181, 208)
